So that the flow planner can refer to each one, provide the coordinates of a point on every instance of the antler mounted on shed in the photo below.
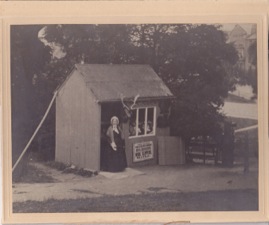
(134, 101)
(127, 109)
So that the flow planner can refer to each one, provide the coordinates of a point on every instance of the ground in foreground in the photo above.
(230, 200)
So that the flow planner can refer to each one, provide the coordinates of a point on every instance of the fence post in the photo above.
(228, 146)
(246, 154)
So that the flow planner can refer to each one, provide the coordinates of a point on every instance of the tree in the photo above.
(199, 67)
(247, 70)
(206, 76)
(193, 60)
(28, 55)
(251, 77)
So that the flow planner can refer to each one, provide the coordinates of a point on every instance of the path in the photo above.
(151, 179)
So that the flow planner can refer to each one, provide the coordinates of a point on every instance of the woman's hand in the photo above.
(114, 146)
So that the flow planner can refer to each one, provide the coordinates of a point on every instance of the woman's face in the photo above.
(115, 122)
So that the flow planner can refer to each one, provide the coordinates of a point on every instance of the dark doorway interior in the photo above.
(108, 110)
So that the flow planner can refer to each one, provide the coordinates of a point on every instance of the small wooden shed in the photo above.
(92, 94)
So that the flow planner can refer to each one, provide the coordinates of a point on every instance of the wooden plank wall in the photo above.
(171, 150)
(77, 125)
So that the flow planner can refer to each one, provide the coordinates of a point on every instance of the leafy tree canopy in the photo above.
(195, 61)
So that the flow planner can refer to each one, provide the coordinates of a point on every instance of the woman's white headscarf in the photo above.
(114, 118)
(115, 127)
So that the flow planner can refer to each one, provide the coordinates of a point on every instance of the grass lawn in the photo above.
(232, 200)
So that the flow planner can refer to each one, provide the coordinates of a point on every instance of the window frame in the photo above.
(154, 127)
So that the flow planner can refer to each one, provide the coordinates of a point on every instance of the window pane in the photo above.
(142, 122)
(150, 121)
(141, 129)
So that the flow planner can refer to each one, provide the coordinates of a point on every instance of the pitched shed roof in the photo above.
(109, 81)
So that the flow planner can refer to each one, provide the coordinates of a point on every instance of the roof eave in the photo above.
(140, 99)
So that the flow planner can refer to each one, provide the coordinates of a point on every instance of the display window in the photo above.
(142, 122)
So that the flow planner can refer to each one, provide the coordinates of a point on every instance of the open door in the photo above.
(108, 110)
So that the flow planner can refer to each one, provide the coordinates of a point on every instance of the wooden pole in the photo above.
(34, 134)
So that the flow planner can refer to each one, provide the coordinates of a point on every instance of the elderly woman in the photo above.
(115, 156)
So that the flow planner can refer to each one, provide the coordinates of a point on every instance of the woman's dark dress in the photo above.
(115, 161)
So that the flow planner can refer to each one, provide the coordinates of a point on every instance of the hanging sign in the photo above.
(142, 151)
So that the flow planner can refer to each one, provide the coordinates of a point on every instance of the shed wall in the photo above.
(78, 119)
(171, 150)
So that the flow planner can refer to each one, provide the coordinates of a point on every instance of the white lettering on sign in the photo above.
(142, 151)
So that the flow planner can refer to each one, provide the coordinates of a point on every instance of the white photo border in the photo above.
(116, 12)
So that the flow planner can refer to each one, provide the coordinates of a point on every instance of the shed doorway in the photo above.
(108, 110)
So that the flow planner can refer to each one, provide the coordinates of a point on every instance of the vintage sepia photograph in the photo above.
(142, 117)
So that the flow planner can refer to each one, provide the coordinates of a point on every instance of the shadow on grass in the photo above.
(32, 174)
(229, 200)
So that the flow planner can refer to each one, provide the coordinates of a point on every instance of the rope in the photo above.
(37, 129)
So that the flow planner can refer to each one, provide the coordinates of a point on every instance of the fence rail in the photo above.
(202, 150)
